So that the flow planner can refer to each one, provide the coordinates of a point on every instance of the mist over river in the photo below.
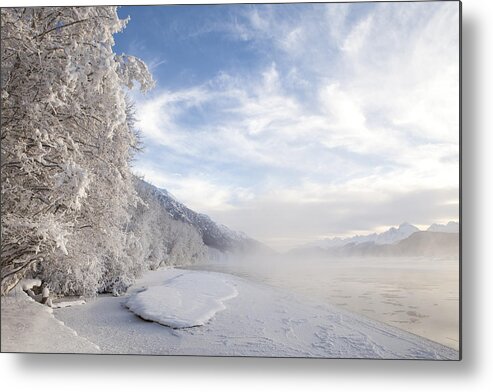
(418, 295)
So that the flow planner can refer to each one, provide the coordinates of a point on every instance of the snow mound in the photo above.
(188, 299)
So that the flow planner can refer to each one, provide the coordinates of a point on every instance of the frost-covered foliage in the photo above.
(158, 238)
(67, 141)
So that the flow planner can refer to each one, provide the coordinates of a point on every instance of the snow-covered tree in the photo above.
(66, 144)
(161, 239)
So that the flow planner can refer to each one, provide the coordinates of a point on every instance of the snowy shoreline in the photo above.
(253, 320)
(28, 326)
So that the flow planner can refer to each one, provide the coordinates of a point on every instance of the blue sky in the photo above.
(300, 121)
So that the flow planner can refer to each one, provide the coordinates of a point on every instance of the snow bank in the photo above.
(28, 326)
(188, 299)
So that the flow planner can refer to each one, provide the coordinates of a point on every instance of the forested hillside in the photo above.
(160, 239)
(214, 235)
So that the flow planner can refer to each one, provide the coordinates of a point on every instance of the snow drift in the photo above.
(189, 299)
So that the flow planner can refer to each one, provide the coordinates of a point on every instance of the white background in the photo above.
(473, 373)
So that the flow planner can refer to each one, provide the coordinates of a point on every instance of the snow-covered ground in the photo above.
(28, 326)
(259, 321)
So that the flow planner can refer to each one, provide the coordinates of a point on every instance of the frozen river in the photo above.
(418, 295)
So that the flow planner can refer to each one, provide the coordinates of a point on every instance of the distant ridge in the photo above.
(389, 236)
(422, 243)
(406, 240)
(450, 227)
(426, 243)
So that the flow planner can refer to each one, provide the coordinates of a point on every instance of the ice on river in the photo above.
(188, 299)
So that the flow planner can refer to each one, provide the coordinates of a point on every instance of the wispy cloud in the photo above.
(352, 110)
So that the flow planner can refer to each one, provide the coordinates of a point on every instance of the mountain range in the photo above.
(388, 237)
(451, 227)
(404, 240)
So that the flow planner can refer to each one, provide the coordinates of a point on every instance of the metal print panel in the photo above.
(268, 180)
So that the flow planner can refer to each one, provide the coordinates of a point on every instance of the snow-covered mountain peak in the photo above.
(450, 227)
(390, 236)
(393, 234)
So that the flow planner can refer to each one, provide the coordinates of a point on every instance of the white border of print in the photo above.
(87, 373)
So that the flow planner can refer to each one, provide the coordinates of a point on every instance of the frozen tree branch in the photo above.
(41, 35)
